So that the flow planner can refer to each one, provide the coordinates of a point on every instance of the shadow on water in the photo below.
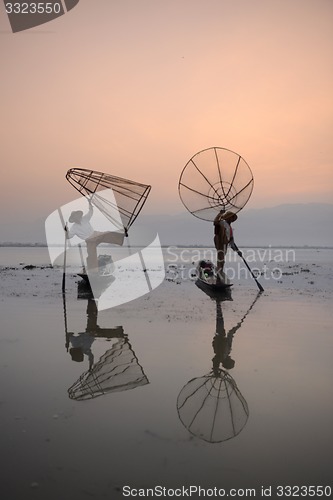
(118, 369)
(211, 407)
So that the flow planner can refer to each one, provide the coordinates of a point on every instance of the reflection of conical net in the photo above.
(215, 179)
(212, 408)
(129, 196)
(117, 370)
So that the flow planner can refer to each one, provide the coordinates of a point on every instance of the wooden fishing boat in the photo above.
(209, 280)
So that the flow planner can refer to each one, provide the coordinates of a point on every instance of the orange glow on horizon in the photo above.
(137, 93)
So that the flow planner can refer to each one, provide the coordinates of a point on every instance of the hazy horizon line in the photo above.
(173, 245)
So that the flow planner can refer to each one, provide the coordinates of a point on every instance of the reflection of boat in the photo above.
(100, 280)
(103, 273)
(211, 407)
(209, 280)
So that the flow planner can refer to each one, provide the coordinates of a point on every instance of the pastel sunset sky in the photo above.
(137, 87)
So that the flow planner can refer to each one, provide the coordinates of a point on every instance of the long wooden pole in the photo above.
(64, 266)
(253, 276)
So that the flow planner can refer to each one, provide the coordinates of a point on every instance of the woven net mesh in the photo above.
(215, 179)
(128, 200)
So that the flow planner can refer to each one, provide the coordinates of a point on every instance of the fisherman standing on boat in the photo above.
(83, 229)
(223, 236)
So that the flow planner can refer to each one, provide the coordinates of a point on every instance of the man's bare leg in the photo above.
(92, 260)
(220, 266)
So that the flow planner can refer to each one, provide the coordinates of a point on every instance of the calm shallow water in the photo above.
(144, 355)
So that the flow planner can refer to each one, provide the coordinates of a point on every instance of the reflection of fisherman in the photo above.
(223, 236)
(81, 343)
(222, 344)
(222, 349)
(83, 229)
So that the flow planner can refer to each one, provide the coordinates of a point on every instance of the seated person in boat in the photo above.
(207, 267)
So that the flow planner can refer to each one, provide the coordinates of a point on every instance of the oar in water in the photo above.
(253, 276)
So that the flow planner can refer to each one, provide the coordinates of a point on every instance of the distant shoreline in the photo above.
(303, 247)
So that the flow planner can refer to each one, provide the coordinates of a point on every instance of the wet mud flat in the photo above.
(93, 401)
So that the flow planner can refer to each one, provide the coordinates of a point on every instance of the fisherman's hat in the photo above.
(228, 215)
(74, 215)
